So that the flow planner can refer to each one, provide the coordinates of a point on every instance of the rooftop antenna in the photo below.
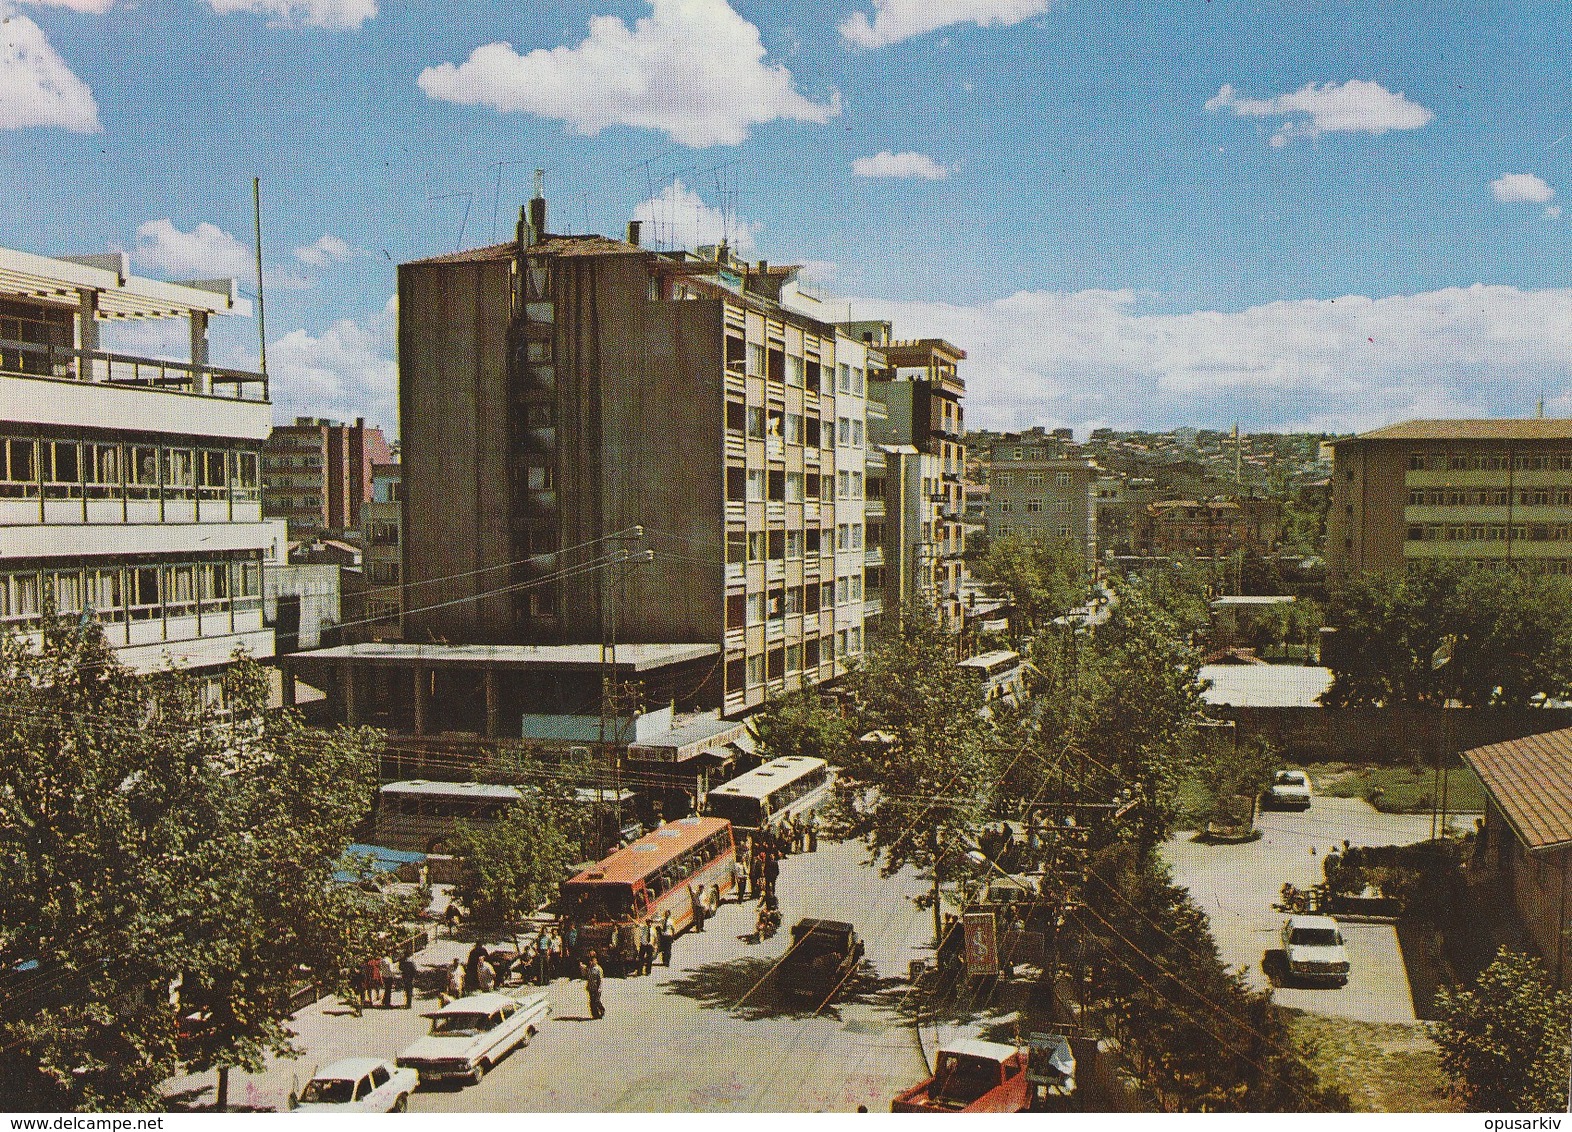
(496, 198)
(256, 215)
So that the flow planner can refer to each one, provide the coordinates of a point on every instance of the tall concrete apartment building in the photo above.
(317, 473)
(559, 392)
(129, 486)
(381, 524)
(1034, 490)
(921, 436)
(1490, 492)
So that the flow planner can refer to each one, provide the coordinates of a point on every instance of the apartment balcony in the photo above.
(736, 512)
(68, 363)
(736, 574)
(873, 507)
(873, 556)
(775, 512)
(736, 382)
(736, 447)
(872, 605)
(736, 640)
(774, 448)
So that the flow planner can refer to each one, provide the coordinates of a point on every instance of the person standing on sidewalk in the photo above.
(663, 937)
(389, 980)
(374, 983)
(813, 833)
(594, 979)
(406, 974)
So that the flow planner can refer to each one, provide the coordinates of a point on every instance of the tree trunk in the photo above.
(221, 1102)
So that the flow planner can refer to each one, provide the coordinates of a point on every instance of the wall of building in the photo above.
(454, 413)
(1385, 736)
(1365, 523)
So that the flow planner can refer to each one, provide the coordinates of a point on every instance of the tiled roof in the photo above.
(1530, 781)
(1532, 428)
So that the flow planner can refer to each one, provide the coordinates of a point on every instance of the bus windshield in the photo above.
(593, 903)
(737, 810)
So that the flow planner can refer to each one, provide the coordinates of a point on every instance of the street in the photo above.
(709, 1034)
(1237, 885)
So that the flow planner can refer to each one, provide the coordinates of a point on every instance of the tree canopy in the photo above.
(168, 850)
(1043, 576)
(1504, 1039)
(515, 864)
(1442, 632)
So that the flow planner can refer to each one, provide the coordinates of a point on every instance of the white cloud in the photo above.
(908, 164)
(1553, 212)
(311, 13)
(1344, 363)
(693, 69)
(677, 217)
(1510, 188)
(326, 250)
(91, 7)
(36, 86)
(1357, 106)
(206, 250)
(347, 371)
(895, 20)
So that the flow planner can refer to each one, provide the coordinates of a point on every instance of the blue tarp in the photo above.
(383, 860)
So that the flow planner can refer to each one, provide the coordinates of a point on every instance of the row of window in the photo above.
(1022, 454)
(1489, 462)
(1489, 497)
(785, 601)
(791, 660)
(789, 369)
(1489, 532)
(71, 469)
(1006, 531)
(139, 592)
(1032, 479)
(758, 485)
(1035, 506)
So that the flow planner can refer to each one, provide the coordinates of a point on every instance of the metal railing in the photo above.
(70, 363)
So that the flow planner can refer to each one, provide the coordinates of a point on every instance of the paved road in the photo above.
(1238, 884)
(706, 1035)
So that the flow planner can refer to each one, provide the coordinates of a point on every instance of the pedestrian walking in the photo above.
(756, 872)
(787, 828)
(472, 964)
(485, 977)
(813, 833)
(389, 980)
(453, 986)
(772, 873)
(594, 977)
(646, 947)
(696, 895)
(663, 937)
(406, 973)
(371, 972)
(739, 880)
(543, 959)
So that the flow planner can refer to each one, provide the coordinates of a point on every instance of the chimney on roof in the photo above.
(764, 267)
(634, 230)
(537, 209)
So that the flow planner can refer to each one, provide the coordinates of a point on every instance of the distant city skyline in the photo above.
(1317, 217)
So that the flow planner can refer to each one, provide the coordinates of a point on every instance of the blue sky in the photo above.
(1322, 214)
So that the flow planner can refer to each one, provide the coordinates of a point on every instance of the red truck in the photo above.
(971, 1076)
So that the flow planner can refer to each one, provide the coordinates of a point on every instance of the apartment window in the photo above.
(1062, 506)
(854, 639)
(18, 469)
(811, 432)
(775, 604)
(756, 546)
(842, 591)
(1062, 479)
(755, 359)
(736, 484)
(794, 544)
(793, 370)
(756, 669)
(538, 477)
(856, 433)
(793, 600)
(774, 424)
(856, 536)
(843, 431)
(756, 422)
(811, 537)
(826, 595)
(793, 658)
(857, 378)
(736, 675)
(810, 598)
(755, 609)
(1004, 505)
(736, 546)
(1034, 479)
(1034, 505)
(815, 374)
(793, 428)
(1018, 454)
(811, 651)
(1064, 532)
(1416, 498)
(856, 587)
(776, 664)
(756, 483)
(843, 537)
(1416, 532)
(843, 385)
(793, 487)
(736, 611)
(811, 484)
(856, 485)
(777, 542)
(736, 416)
(1003, 479)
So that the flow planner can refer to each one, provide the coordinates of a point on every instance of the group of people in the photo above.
(379, 977)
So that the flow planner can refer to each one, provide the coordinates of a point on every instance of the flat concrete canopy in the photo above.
(1265, 685)
(639, 658)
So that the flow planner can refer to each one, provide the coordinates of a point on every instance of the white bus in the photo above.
(999, 674)
(417, 815)
(762, 798)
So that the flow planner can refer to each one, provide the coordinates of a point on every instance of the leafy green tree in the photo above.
(802, 722)
(1229, 769)
(515, 864)
(1043, 576)
(1504, 1040)
(920, 797)
(1200, 1039)
(167, 857)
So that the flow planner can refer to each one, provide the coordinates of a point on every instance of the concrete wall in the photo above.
(453, 413)
(640, 441)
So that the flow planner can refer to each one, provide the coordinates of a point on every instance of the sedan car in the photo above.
(471, 1034)
(358, 1084)
(1290, 790)
(1313, 949)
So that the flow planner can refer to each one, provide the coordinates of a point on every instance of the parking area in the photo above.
(1237, 886)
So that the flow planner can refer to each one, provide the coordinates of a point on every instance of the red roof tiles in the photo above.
(1530, 781)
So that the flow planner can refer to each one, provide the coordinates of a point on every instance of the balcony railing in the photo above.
(68, 363)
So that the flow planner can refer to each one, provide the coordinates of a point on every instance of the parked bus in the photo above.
(419, 816)
(661, 872)
(764, 797)
(999, 674)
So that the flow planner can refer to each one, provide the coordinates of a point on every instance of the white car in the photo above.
(358, 1084)
(471, 1034)
(1313, 948)
(1290, 790)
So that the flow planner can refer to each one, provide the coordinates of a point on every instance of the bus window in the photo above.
(598, 903)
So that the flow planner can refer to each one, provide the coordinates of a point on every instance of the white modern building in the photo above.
(129, 486)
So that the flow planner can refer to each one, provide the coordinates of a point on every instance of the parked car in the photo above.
(1313, 949)
(1290, 790)
(823, 956)
(971, 1076)
(471, 1034)
(358, 1084)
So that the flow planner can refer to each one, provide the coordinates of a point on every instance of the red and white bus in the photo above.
(659, 873)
